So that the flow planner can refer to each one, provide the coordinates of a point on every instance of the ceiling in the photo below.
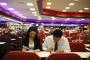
(37, 11)
(64, 8)
(21, 6)
(60, 5)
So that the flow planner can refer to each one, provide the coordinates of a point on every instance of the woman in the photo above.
(31, 41)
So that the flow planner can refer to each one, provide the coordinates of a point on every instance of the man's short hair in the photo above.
(57, 33)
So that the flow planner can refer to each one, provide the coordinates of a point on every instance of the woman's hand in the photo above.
(23, 49)
(37, 50)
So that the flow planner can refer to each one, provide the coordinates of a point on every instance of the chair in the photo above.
(77, 47)
(4, 38)
(16, 44)
(4, 48)
(66, 33)
(88, 58)
(63, 56)
(19, 55)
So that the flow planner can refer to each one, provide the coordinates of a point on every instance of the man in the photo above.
(56, 42)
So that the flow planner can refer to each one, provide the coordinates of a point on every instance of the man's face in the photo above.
(56, 39)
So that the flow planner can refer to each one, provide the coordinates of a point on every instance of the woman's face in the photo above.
(32, 34)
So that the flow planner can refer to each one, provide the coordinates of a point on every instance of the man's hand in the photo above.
(50, 49)
(60, 50)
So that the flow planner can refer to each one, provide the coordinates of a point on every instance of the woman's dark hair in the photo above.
(32, 29)
(57, 33)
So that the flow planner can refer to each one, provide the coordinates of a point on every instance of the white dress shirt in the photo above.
(31, 45)
(63, 44)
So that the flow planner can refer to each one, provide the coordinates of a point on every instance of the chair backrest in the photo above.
(4, 48)
(66, 33)
(88, 58)
(4, 38)
(63, 56)
(77, 47)
(18, 55)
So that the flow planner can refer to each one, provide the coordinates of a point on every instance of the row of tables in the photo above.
(83, 55)
(46, 54)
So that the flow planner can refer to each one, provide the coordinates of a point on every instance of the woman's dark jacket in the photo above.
(37, 43)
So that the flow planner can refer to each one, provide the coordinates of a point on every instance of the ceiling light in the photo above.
(62, 24)
(48, 3)
(64, 10)
(34, 12)
(67, 8)
(3, 3)
(78, 20)
(86, 8)
(80, 10)
(76, 0)
(10, 8)
(71, 4)
(23, 17)
(37, 25)
(19, 14)
(82, 19)
(29, 4)
(48, 7)
(67, 19)
(39, 17)
(53, 18)
(32, 9)
(15, 12)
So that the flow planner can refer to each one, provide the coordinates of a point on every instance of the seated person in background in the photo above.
(56, 42)
(31, 41)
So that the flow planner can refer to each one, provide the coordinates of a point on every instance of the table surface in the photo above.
(82, 54)
(87, 45)
(46, 54)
